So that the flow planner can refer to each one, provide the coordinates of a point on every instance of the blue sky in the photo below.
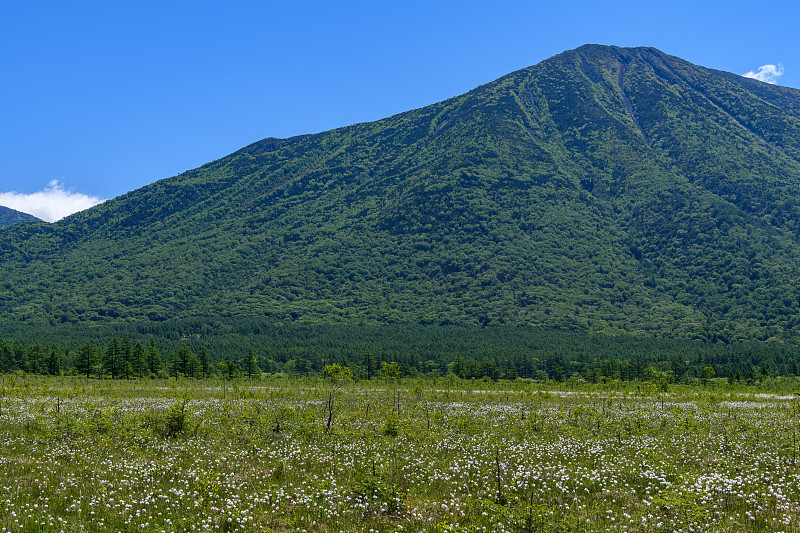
(100, 98)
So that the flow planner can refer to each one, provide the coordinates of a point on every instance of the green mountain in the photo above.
(9, 217)
(605, 189)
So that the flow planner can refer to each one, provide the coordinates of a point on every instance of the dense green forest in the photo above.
(9, 217)
(202, 348)
(603, 192)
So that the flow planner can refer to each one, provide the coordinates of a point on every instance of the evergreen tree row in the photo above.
(555, 356)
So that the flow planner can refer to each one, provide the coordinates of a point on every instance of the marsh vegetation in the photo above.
(444, 455)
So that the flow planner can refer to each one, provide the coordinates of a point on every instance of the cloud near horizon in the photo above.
(766, 73)
(51, 203)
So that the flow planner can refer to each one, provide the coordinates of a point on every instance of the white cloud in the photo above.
(766, 73)
(51, 203)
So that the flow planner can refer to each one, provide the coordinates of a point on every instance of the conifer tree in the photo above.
(154, 362)
(54, 363)
(86, 359)
(6, 358)
(180, 363)
(126, 358)
(250, 364)
(35, 359)
(205, 363)
(369, 363)
(22, 357)
(111, 361)
(193, 367)
(139, 362)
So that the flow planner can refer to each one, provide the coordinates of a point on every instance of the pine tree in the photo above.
(181, 361)
(250, 364)
(35, 359)
(111, 361)
(126, 358)
(205, 363)
(22, 357)
(193, 367)
(54, 363)
(86, 359)
(153, 358)
(139, 361)
(6, 358)
(369, 363)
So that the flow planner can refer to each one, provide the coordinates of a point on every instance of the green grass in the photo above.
(446, 456)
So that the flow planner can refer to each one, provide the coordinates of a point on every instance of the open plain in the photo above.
(449, 455)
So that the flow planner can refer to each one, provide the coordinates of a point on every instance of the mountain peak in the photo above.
(605, 189)
(9, 217)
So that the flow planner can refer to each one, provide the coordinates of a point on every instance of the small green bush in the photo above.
(173, 422)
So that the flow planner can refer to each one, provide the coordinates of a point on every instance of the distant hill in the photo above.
(9, 217)
(605, 189)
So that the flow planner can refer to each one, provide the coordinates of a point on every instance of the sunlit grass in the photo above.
(189, 456)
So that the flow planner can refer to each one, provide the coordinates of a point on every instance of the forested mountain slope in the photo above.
(9, 217)
(605, 189)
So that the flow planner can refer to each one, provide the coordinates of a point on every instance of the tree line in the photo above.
(495, 355)
(120, 359)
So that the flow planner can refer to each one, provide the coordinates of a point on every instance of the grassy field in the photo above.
(82, 455)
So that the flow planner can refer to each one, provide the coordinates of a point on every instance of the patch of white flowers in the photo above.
(460, 462)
